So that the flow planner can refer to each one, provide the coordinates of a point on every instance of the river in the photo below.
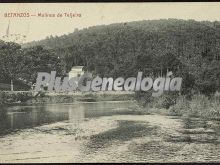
(111, 131)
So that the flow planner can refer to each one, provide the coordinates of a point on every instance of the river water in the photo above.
(103, 132)
(20, 117)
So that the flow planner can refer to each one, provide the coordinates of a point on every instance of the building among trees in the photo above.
(76, 71)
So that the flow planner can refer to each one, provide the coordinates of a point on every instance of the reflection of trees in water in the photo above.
(76, 115)
(21, 117)
(106, 108)
(38, 116)
(47, 114)
(3, 119)
(28, 117)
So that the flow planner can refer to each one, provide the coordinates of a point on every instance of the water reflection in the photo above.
(3, 118)
(19, 117)
(76, 115)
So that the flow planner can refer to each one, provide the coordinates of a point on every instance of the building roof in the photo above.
(77, 67)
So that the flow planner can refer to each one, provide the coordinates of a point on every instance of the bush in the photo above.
(198, 106)
(164, 101)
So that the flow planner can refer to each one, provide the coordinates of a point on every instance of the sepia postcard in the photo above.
(110, 82)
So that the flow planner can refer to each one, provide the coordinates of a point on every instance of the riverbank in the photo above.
(179, 105)
(30, 98)
(13, 97)
(117, 138)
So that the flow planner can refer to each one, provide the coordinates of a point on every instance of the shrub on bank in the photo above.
(7, 97)
(164, 101)
(182, 104)
(198, 106)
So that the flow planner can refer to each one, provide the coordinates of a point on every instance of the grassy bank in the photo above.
(81, 96)
(12, 97)
(175, 104)
(197, 106)
(28, 97)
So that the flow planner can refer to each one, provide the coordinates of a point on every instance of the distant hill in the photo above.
(191, 49)
(148, 26)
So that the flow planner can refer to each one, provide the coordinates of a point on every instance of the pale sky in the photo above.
(36, 28)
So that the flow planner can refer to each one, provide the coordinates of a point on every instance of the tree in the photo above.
(22, 65)
(190, 49)
(11, 61)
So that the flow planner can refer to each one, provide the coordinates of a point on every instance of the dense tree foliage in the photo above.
(190, 49)
(10, 60)
(22, 65)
